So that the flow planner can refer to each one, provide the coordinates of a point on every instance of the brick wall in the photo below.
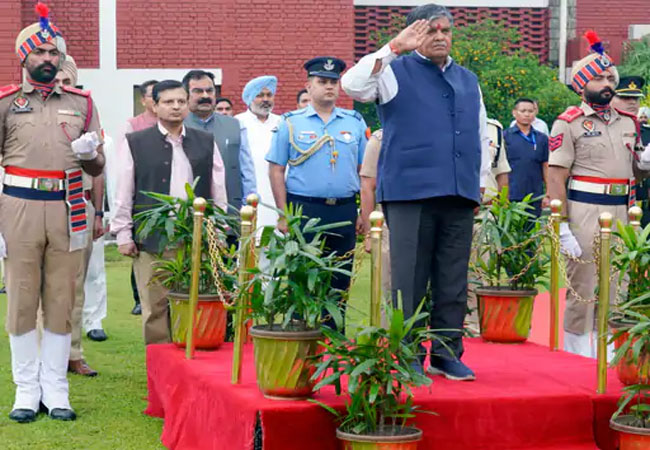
(610, 20)
(245, 38)
(78, 20)
(9, 29)
(532, 24)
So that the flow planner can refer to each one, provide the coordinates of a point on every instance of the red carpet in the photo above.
(525, 397)
(541, 326)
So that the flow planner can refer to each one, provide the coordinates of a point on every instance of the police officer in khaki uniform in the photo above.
(48, 134)
(594, 148)
(368, 174)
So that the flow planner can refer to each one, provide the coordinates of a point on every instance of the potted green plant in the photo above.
(631, 259)
(288, 299)
(172, 219)
(634, 426)
(510, 262)
(381, 366)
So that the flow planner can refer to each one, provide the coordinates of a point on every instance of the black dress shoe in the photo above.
(3, 290)
(23, 415)
(62, 414)
(97, 335)
(137, 310)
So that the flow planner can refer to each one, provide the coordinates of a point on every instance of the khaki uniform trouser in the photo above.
(385, 262)
(40, 269)
(580, 317)
(153, 298)
(472, 319)
(76, 352)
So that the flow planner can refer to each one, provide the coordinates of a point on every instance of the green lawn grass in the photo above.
(110, 405)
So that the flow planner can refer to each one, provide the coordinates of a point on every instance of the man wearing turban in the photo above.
(259, 122)
(48, 134)
(595, 155)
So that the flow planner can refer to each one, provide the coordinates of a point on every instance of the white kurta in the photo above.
(260, 135)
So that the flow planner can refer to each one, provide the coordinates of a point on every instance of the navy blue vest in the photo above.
(431, 145)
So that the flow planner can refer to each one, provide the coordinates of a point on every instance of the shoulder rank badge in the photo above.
(21, 105)
(591, 128)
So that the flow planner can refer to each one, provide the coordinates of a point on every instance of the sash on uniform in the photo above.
(77, 217)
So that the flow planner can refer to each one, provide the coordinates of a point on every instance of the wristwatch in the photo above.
(99, 214)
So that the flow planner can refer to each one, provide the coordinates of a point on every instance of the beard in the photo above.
(599, 97)
(263, 109)
(45, 73)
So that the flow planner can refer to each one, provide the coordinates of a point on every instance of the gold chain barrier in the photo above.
(241, 305)
(197, 232)
(376, 223)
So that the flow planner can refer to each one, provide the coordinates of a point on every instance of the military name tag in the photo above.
(21, 105)
(592, 133)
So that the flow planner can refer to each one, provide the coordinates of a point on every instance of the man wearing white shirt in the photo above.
(162, 159)
(433, 157)
(260, 122)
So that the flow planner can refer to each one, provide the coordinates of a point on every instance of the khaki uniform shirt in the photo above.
(40, 139)
(587, 146)
(500, 166)
(371, 157)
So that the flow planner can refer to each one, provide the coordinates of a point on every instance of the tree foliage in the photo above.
(505, 73)
(636, 61)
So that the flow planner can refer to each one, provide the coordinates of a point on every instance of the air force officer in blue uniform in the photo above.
(323, 148)
(432, 156)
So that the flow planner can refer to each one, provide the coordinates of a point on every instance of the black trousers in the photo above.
(430, 242)
(341, 240)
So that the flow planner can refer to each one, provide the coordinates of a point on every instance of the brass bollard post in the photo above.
(605, 220)
(253, 201)
(635, 213)
(197, 234)
(556, 218)
(376, 222)
(241, 308)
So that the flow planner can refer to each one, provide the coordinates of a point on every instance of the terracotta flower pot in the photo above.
(630, 437)
(394, 439)
(628, 372)
(283, 361)
(505, 314)
(209, 325)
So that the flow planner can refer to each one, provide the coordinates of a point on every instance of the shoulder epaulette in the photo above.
(571, 114)
(625, 113)
(8, 90)
(351, 112)
(293, 113)
(74, 90)
(495, 122)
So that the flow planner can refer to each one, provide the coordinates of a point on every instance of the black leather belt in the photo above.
(332, 201)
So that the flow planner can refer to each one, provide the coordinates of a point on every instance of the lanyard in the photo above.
(530, 139)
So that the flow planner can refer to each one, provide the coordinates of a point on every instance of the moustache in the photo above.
(46, 65)
(611, 91)
(266, 105)
(204, 101)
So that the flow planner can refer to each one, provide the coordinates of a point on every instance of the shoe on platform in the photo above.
(452, 369)
(137, 310)
(97, 335)
(62, 414)
(22, 415)
(3, 290)
(80, 367)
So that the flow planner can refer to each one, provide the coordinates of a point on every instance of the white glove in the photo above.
(568, 242)
(644, 162)
(85, 148)
(3, 247)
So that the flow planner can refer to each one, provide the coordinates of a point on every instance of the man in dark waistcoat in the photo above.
(162, 159)
(429, 169)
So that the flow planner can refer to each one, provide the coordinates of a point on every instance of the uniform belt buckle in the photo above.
(48, 184)
(330, 201)
(617, 189)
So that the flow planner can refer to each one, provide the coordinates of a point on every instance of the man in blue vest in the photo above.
(429, 169)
